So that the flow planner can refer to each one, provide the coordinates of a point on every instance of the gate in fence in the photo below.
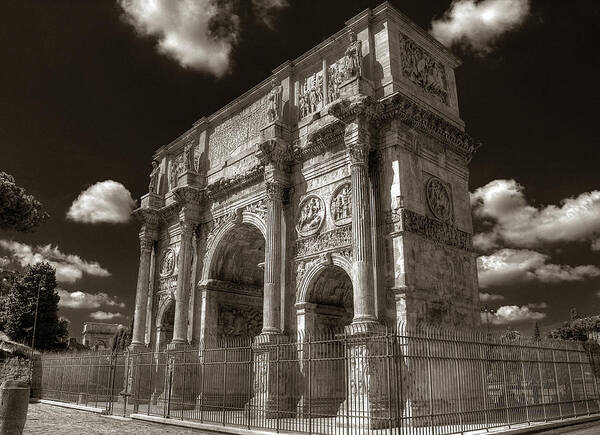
(421, 381)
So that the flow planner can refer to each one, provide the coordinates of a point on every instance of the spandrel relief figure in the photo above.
(274, 102)
(341, 205)
(312, 214)
(353, 58)
(154, 175)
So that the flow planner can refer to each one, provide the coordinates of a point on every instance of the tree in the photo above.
(20, 310)
(8, 278)
(511, 335)
(536, 332)
(18, 210)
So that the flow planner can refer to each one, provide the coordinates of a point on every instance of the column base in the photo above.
(369, 402)
(272, 393)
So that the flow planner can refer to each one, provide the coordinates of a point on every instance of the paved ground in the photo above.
(55, 420)
(581, 429)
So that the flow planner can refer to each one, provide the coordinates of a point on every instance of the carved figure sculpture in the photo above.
(153, 186)
(188, 157)
(274, 102)
(167, 263)
(353, 58)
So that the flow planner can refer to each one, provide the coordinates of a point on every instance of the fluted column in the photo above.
(182, 293)
(272, 284)
(189, 198)
(357, 141)
(148, 234)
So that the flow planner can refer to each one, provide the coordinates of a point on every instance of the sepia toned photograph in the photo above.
(337, 217)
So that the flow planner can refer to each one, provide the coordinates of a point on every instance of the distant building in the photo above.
(98, 335)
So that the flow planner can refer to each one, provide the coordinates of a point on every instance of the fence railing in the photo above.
(405, 381)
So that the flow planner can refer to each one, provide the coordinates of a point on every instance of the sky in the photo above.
(90, 89)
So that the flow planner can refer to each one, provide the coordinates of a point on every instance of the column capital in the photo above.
(187, 196)
(274, 153)
(275, 190)
(148, 217)
(357, 139)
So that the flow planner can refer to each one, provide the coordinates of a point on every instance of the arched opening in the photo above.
(327, 309)
(235, 284)
(164, 328)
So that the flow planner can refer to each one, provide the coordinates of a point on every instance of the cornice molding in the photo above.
(224, 185)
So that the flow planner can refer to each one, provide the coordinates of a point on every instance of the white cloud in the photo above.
(82, 300)
(265, 10)
(490, 297)
(478, 24)
(518, 224)
(103, 202)
(103, 315)
(511, 266)
(198, 34)
(69, 267)
(509, 314)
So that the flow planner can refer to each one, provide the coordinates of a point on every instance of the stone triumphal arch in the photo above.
(335, 192)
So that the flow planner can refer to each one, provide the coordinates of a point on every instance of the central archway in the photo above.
(233, 288)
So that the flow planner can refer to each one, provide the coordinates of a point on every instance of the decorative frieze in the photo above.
(401, 107)
(402, 219)
(259, 208)
(340, 237)
(311, 216)
(319, 141)
(224, 185)
(167, 284)
(237, 130)
(239, 320)
(176, 169)
(423, 70)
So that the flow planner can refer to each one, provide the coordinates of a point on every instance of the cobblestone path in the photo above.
(55, 420)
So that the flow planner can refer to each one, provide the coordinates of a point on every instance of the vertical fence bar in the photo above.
(570, 381)
(277, 383)
(583, 383)
(524, 383)
(556, 384)
(309, 384)
(539, 366)
(504, 382)
(224, 381)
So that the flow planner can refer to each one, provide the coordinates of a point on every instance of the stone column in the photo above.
(182, 292)
(272, 285)
(357, 140)
(148, 235)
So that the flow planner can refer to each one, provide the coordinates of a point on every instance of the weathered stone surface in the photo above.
(334, 191)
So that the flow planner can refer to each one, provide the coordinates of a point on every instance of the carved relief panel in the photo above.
(239, 321)
(423, 70)
(237, 130)
(311, 216)
(310, 94)
(167, 262)
(341, 204)
(439, 199)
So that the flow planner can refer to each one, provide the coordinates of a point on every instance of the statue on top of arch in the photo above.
(274, 102)
(352, 65)
(153, 185)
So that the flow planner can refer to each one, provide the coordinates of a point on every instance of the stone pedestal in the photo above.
(188, 178)
(356, 86)
(183, 376)
(273, 390)
(372, 395)
(152, 200)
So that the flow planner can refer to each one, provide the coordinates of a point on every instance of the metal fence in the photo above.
(403, 381)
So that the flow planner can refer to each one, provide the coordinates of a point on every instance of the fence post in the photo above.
(169, 367)
(224, 382)
(524, 382)
(570, 380)
(277, 382)
(556, 384)
(539, 365)
(583, 383)
(250, 364)
(504, 382)
(309, 385)
(483, 380)
(389, 385)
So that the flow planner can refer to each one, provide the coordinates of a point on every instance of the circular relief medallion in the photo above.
(439, 200)
(341, 204)
(311, 216)
(167, 262)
